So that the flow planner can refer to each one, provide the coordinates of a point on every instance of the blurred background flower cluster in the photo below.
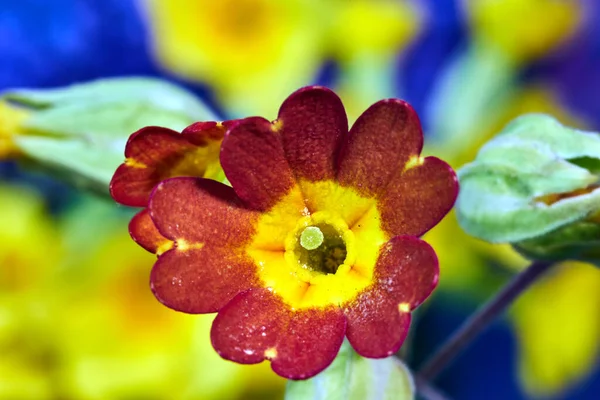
(77, 320)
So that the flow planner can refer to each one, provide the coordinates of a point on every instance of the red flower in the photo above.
(154, 154)
(316, 240)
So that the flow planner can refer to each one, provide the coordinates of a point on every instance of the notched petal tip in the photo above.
(380, 143)
(256, 325)
(418, 198)
(409, 267)
(248, 326)
(253, 160)
(406, 273)
(310, 343)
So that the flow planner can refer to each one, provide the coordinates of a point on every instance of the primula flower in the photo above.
(317, 238)
(154, 154)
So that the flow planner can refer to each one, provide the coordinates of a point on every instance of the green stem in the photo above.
(428, 392)
(481, 319)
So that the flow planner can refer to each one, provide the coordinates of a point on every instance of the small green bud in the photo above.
(535, 185)
(79, 132)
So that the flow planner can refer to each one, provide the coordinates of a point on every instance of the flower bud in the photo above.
(535, 185)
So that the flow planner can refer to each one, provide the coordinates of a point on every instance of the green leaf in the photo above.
(352, 377)
(153, 93)
(79, 132)
(84, 165)
(536, 177)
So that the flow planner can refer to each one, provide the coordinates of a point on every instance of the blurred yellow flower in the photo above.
(11, 118)
(366, 37)
(124, 343)
(29, 248)
(253, 52)
(557, 323)
(29, 245)
(378, 28)
(524, 29)
(78, 320)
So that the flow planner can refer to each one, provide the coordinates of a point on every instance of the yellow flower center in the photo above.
(306, 246)
(320, 244)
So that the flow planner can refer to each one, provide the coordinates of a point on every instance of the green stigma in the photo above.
(311, 238)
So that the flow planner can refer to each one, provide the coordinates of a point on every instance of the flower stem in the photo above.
(481, 319)
(428, 392)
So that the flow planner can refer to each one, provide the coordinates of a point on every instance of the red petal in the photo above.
(249, 325)
(202, 133)
(310, 343)
(151, 144)
(154, 154)
(253, 160)
(149, 152)
(417, 199)
(144, 232)
(195, 210)
(201, 280)
(131, 186)
(380, 143)
(257, 325)
(405, 275)
(313, 121)
(377, 331)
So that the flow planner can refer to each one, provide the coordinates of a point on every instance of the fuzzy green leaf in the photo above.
(80, 131)
(352, 377)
